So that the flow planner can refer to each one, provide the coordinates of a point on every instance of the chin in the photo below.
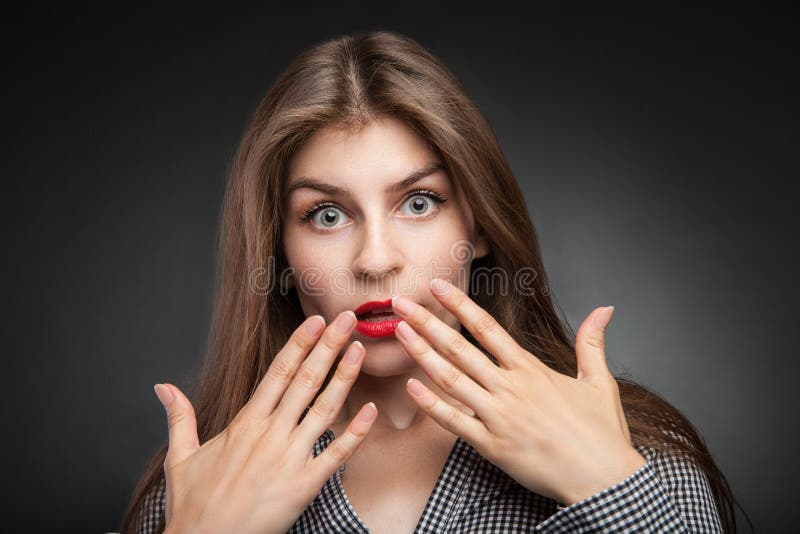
(387, 361)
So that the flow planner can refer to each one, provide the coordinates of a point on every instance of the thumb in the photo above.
(590, 344)
(183, 440)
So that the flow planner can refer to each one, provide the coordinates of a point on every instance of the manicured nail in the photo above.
(440, 286)
(354, 354)
(164, 394)
(314, 325)
(415, 387)
(403, 305)
(406, 332)
(603, 317)
(345, 322)
(368, 414)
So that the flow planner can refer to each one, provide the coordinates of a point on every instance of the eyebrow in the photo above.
(312, 183)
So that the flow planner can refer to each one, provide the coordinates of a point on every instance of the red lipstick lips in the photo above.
(376, 327)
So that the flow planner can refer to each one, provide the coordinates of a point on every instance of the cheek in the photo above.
(445, 252)
(309, 256)
(318, 277)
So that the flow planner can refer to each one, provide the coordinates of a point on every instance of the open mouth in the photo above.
(373, 317)
(377, 319)
(378, 315)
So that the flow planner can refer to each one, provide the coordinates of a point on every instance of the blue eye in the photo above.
(327, 214)
(422, 201)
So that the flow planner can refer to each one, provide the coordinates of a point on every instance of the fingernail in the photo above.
(403, 305)
(368, 414)
(164, 394)
(345, 322)
(314, 325)
(415, 387)
(354, 354)
(406, 332)
(440, 286)
(603, 317)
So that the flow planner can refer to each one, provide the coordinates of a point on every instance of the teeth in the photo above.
(377, 311)
(378, 316)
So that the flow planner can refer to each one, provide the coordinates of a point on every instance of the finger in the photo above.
(342, 448)
(311, 374)
(183, 439)
(329, 402)
(486, 330)
(590, 345)
(472, 430)
(283, 368)
(447, 342)
(450, 379)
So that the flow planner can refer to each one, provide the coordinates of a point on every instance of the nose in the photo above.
(378, 254)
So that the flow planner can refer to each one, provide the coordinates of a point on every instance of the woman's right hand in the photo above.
(259, 474)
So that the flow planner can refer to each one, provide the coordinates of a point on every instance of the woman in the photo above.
(366, 163)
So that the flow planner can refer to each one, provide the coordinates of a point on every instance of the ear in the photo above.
(481, 244)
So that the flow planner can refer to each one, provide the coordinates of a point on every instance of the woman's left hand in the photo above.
(562, 437)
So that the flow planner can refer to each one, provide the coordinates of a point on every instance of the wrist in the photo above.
(634, 462)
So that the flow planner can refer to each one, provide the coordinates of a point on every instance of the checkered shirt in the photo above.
(471, 495)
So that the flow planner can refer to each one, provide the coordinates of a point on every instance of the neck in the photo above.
(397, 410)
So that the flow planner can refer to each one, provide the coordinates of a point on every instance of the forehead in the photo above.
(385, 150)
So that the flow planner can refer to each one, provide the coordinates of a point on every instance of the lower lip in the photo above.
(377, 328)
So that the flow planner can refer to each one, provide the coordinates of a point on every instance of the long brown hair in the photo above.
(348, 82)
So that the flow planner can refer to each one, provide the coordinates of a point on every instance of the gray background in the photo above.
(657, 150)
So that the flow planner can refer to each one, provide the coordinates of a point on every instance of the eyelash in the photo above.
(309, 213)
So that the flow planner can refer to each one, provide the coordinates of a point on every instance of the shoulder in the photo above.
(687, 485)
(668, 493)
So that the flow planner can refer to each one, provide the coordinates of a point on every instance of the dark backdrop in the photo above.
(657, 150)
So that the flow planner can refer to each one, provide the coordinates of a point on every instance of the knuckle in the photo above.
(346, 374)
(307, 378)
(485, 324)
(417, 348)
(338, 451)
(595, 340)
(300, 343)
(280, 369)
(450, 379)
(357, 432)
(433, 406)
(423, 317)
(324, 408)
(331, 342)
(175, 418)
(453, 417)
(457, 344)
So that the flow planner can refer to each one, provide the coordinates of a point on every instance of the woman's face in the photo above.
(374, 236)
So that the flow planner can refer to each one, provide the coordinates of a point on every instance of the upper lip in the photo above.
(373, 305)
